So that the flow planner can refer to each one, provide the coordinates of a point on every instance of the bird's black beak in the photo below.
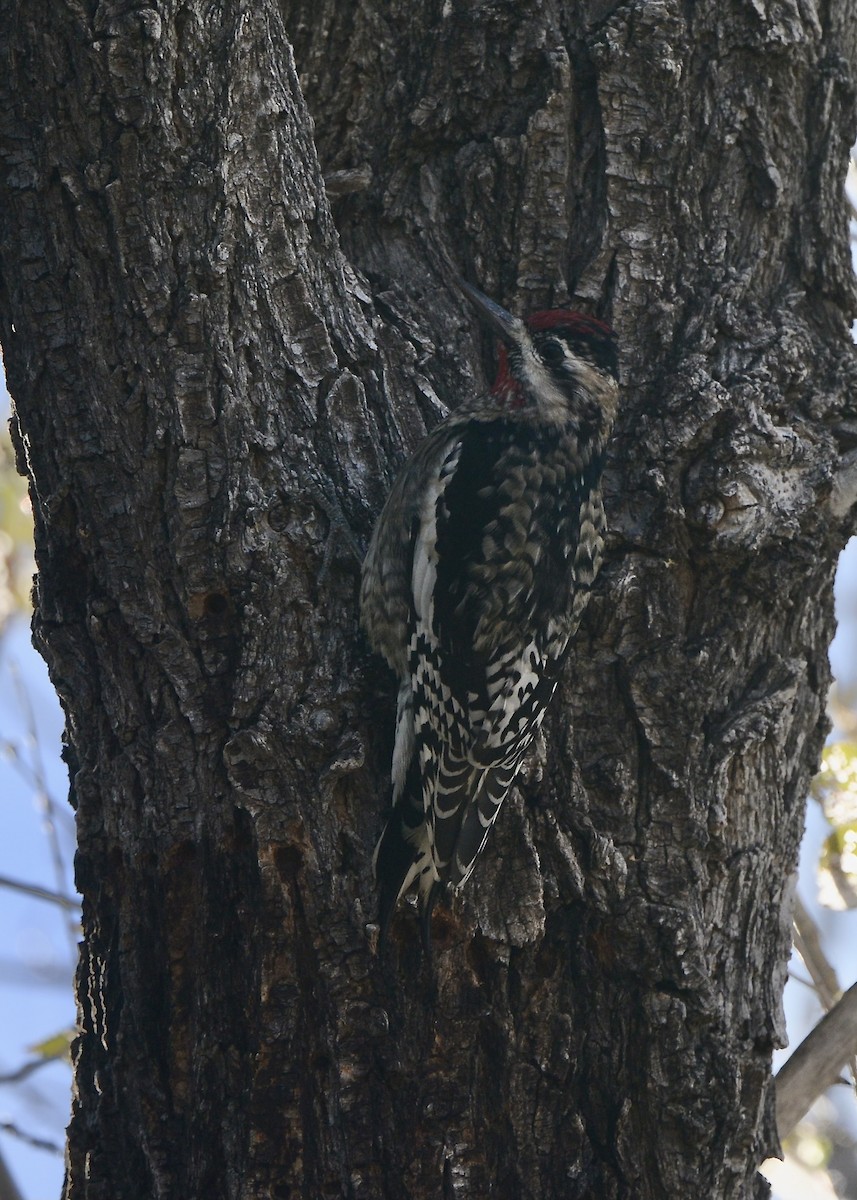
(508, 327)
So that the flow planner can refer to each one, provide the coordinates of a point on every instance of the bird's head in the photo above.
(559, 361)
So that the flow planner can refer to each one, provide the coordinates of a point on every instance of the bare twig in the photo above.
(28, 1138)
(25, 1070)
(40, 893)
(807, 983)
(44, 798)
(43, 1060)
(808, 945)
(35, 1142)
(807, 941)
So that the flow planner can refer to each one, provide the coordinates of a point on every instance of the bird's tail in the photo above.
(403, 854)
(488, 790)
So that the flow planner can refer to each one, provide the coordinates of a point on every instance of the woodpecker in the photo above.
(475, 580)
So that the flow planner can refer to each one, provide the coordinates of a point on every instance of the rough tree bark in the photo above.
(217, 371)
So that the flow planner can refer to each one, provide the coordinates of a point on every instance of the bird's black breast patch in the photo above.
(508, 523)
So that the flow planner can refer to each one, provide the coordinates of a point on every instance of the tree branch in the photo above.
(8, 1187)
(816, 1063)
(40, 893)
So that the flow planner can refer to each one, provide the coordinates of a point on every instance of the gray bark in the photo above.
(216, 374)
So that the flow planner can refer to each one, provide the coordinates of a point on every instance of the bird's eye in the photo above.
(552, 352)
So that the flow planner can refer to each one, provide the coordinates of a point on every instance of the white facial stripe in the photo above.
(538, 381)
(404, 745)
(553, 402)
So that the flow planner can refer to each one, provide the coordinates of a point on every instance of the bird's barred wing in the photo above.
(468, 757)
(500, 740)
(475, 714)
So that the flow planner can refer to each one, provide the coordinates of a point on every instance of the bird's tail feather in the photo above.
(403, 854)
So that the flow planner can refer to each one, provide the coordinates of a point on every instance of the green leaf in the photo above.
(56, 1046)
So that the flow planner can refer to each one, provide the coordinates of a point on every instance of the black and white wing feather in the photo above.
(475, 579)
(494, 540)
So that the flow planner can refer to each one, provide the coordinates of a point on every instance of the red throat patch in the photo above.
(508, 389)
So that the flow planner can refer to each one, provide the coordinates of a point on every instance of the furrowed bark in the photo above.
(213, 392)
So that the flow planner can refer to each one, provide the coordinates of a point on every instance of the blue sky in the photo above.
(36, 941)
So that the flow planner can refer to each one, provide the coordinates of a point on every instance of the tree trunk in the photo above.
(213, 393)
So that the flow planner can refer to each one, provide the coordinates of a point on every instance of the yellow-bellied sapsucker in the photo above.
(476, 577)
